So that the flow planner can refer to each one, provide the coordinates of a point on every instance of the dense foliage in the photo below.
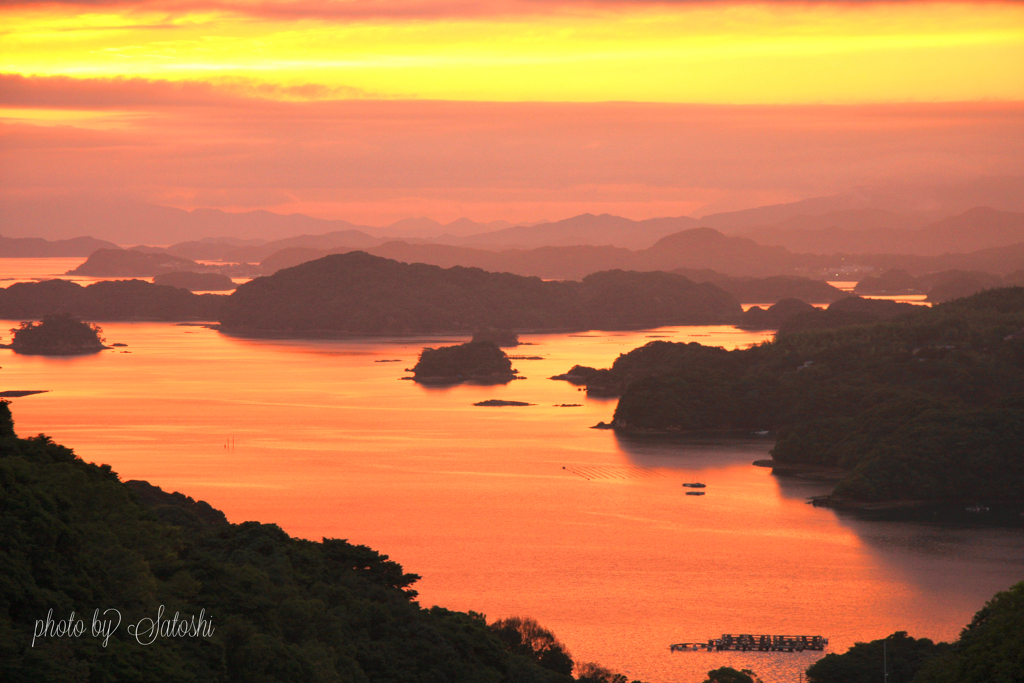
(475, 360)
(990, 650)
(359, 293)
(899, 654)
(727, 674)
(57, 335)
(74, 538)
(925, 405)
(110, 300)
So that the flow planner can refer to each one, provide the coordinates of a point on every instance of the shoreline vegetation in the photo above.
(922, 405)
(74, 537)
(989, 650)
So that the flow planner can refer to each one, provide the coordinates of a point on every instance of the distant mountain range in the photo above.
(850, 232)
(692, 249)
(867, 220)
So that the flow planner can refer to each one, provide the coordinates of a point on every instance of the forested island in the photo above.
(73, 537)
(358, 293)
(926, 405)
(131, 263)
(482, 362)
(57, 335)
(111, 300)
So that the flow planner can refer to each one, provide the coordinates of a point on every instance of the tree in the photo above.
(727, 674)
(524, 636)
(901, 654)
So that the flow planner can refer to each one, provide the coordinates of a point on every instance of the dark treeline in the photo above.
(926, 405)
(114, 300)
(363, 294)
(74, 538)
(990, 650)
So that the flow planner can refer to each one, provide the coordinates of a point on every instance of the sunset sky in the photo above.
(517, 110)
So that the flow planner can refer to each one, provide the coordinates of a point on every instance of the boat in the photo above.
(695, 485)
(695, 493)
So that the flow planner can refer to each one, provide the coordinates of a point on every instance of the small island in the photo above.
(57, 335)
(482, 362)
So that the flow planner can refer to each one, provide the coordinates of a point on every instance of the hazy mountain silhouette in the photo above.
(584, 229)
(865, 232)
(695, 248)
(928, 202)
(35, 247)
(875, 207)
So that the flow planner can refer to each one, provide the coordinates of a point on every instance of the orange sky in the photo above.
(254, 95)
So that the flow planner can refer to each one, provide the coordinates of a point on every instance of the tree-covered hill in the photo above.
(928, 404)
(109, 300)
(73, 538)
(57, 335)
(362, 294)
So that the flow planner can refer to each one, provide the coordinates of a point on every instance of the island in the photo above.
(108, 300)
(131, 263)
(278, 608)
(767, 290)
(356, 293)
(36, 247)
(195, 282)
(480, 362)
(924, 405)
(940, 286)
(57, 335)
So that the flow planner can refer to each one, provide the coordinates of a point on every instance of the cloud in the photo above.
(197, 143)
(64, 92)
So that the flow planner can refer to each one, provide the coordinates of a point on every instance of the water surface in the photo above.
(514, 510)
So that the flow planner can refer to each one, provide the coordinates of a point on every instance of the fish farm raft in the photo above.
(748, 643)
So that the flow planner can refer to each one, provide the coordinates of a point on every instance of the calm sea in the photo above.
(513, 510)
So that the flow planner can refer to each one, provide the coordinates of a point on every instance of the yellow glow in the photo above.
(720, 53)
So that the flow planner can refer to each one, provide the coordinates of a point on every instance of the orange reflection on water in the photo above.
(325, 439)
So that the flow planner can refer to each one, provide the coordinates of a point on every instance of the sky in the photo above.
(519, 110)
